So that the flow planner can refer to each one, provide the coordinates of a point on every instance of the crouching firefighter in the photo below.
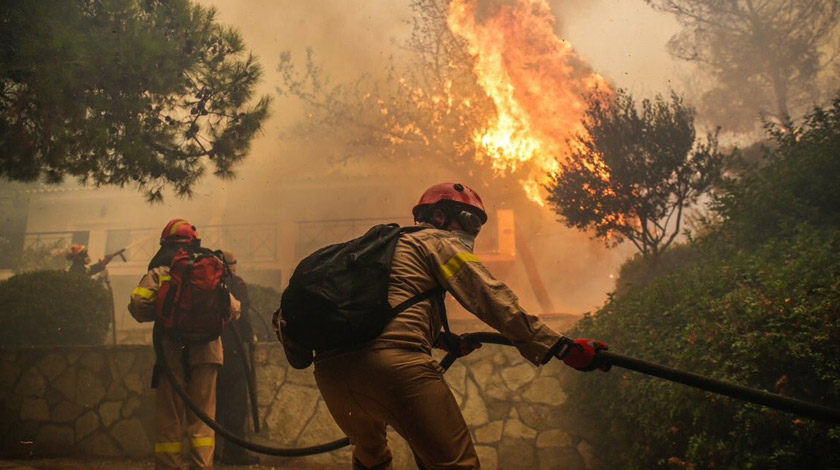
(374, 374)
(185, 294)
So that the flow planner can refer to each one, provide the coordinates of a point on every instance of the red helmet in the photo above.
(180, 231)
(455, 192)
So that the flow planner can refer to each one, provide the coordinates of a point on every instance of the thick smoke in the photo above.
(349, 40)
(287, 181)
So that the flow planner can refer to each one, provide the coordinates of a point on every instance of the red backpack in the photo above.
(193, 304)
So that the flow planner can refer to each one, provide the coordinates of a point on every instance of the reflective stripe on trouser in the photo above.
(173, 420)
(365, 390)
(168, 448)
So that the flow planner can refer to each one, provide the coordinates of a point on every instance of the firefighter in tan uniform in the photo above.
(172, 418)
(393, 380)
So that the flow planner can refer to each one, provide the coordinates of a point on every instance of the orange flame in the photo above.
(535, 79)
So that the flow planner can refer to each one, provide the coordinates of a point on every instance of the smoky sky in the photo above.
(623, 40)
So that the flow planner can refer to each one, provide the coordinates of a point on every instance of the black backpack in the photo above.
(337, 297)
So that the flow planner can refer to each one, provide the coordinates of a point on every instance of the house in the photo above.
(269, 227)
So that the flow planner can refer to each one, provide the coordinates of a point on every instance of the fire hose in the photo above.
(811, 410)
(759, 397)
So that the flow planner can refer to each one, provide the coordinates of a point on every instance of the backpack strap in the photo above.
(444, 320)
(439, 291)
(412, 229)
(437, 294)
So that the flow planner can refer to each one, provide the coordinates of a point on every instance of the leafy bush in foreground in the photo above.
(768, 320)
(755, 301)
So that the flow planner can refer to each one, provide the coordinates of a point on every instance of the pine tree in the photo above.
(124, 92)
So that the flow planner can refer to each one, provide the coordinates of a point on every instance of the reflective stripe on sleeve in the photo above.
(147, 294)
(164, 278)
(454, 264)
(203, 442)
(167, 447)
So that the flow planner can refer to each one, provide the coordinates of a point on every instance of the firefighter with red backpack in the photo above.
(391, 379)
(184, 293)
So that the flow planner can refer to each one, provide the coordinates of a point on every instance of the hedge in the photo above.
(53, 308)
(754, 300)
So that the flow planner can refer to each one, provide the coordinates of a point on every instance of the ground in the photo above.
(84, 464)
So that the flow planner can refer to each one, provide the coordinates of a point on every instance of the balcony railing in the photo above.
(44, 240)
(250, 242)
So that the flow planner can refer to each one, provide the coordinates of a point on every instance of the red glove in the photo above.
(449, 341)
(583, 355)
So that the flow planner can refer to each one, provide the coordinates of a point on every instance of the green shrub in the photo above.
(640, 271)
(53, 307)
(768, 320)
(264, 301)
(754, 300)
(797, 185)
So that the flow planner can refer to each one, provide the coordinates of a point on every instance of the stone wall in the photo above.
(96, 401)
(510, 406)
(87, 400)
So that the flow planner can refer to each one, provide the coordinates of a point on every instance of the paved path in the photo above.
(80, 464)
(73, 464)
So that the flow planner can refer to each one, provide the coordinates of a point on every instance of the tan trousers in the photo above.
(365, 390)
(173, 419)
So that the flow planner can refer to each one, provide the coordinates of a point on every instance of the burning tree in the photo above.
(766, 56)
(633, 171)
(488, 86)
(425, 108)
(130, 92)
